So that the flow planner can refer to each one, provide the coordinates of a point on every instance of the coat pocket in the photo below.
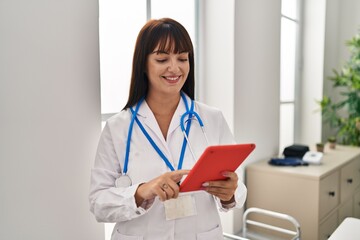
(215, 234)
(120, 236)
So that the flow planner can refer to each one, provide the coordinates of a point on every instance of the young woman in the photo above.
(143, 154)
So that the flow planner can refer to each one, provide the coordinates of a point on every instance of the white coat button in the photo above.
(138, 212)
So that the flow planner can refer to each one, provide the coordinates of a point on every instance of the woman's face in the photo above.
(167, 71)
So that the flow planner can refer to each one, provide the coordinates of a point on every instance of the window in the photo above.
(289, 72)
(117, 42)
(120, 23)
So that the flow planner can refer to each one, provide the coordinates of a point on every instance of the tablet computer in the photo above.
(214, 161)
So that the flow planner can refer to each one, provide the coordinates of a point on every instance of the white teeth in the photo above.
(172, 78)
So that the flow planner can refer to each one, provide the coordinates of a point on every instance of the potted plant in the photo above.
(320, 147)
(332, 142)
(344, 115)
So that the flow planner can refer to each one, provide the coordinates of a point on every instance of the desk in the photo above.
(349, 229)
(319, 197)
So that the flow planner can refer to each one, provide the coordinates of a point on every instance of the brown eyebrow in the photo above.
(160, 52)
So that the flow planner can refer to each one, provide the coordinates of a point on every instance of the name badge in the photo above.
(183, 206)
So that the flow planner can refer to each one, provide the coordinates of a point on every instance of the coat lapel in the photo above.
(147, 118)
(175, 121)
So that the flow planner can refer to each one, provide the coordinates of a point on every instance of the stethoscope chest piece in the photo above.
(123, 181)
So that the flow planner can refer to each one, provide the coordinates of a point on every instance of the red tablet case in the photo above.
(214, 161)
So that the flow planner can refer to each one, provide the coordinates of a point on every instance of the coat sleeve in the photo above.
(108, 203)
(226, 137)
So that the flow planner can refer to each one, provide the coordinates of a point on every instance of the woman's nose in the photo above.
(173, 66)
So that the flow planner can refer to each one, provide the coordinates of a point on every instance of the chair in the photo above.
(272, 231)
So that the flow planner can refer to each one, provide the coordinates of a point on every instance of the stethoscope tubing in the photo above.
(127, 151)
(189, 112)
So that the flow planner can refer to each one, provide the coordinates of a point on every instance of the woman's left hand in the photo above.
(223, 189)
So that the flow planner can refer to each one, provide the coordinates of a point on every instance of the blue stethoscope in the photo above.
(124, 180)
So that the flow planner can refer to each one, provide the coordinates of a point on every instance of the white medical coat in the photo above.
(111, 204)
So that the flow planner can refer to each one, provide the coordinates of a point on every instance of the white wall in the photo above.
(216, 58)
(241, 74)
(331, 53)
(50, 118)
(257, 75)
(312, 74)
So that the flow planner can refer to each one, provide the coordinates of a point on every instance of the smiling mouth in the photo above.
(172, 78)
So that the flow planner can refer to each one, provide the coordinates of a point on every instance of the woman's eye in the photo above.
(183, 59)
(161, 60)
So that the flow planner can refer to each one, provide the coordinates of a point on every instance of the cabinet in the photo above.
(318, 196)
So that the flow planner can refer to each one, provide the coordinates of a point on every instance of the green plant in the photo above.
(319, 145)
(344, 115)
(332, 139)
(332, 142)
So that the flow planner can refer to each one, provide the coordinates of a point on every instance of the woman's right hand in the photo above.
(165, 187)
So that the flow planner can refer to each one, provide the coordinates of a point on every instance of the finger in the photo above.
(177, 175)
(168, 189)
(182, 171)
(217, 190)
(231, 175)
(225, 196)
(175, 189)
(223, 191)
(215, 184)
(161, 194)
(164, 196)
(227, 184)
(231, 181)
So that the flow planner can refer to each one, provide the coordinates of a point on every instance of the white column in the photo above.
(313, 71)
(257, 75)
(216, 58)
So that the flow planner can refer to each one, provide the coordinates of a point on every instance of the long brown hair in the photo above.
(169, 36)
